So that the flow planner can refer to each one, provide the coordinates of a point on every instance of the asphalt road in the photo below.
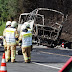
(43, 60)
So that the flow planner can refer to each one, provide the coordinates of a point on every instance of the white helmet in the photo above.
(8, 23)
(23, 27)
(14, 24)
(27, 24)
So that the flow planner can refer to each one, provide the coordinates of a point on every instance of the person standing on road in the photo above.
(11, 37)
(8, 24)
(29, 29)
(26, 40)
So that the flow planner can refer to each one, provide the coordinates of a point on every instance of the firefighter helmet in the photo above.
(23, 27)
(8, 23)
(27, 24)
(14, 24)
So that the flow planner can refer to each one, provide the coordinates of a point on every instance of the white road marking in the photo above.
(47, 66)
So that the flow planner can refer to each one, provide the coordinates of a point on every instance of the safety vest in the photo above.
(26, 39)
(10, 35)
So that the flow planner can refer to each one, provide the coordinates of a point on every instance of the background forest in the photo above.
(11, 9)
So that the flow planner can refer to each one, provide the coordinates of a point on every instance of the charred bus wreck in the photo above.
(46, 25)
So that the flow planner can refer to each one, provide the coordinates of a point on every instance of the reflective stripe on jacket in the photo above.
(26, 38)
(10, 36)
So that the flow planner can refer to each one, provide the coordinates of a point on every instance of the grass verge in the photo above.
(2, 27)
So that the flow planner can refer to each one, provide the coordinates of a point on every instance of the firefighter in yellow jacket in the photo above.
(26, 40)
(8, 24)
(11, 37)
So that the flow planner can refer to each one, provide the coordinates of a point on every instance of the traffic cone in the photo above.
(63, 45)
(3, 64)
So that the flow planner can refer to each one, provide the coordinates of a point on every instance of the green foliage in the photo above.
(2, 27)
(8, 9)
(12, 9)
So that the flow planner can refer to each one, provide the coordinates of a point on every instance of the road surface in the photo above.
(43, 60)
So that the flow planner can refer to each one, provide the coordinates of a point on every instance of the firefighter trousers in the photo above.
(11, 52)
(26, 54)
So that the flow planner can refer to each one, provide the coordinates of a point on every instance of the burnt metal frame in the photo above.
(50, 29)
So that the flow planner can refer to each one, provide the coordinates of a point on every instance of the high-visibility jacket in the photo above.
(11, 34)
(26, 38)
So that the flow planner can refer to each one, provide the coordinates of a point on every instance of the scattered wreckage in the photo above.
(46, 25)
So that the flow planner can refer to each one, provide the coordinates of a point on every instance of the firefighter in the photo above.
(8, 24)
(26, 40)
(28, 26)
(29, 29)
(11, 37)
